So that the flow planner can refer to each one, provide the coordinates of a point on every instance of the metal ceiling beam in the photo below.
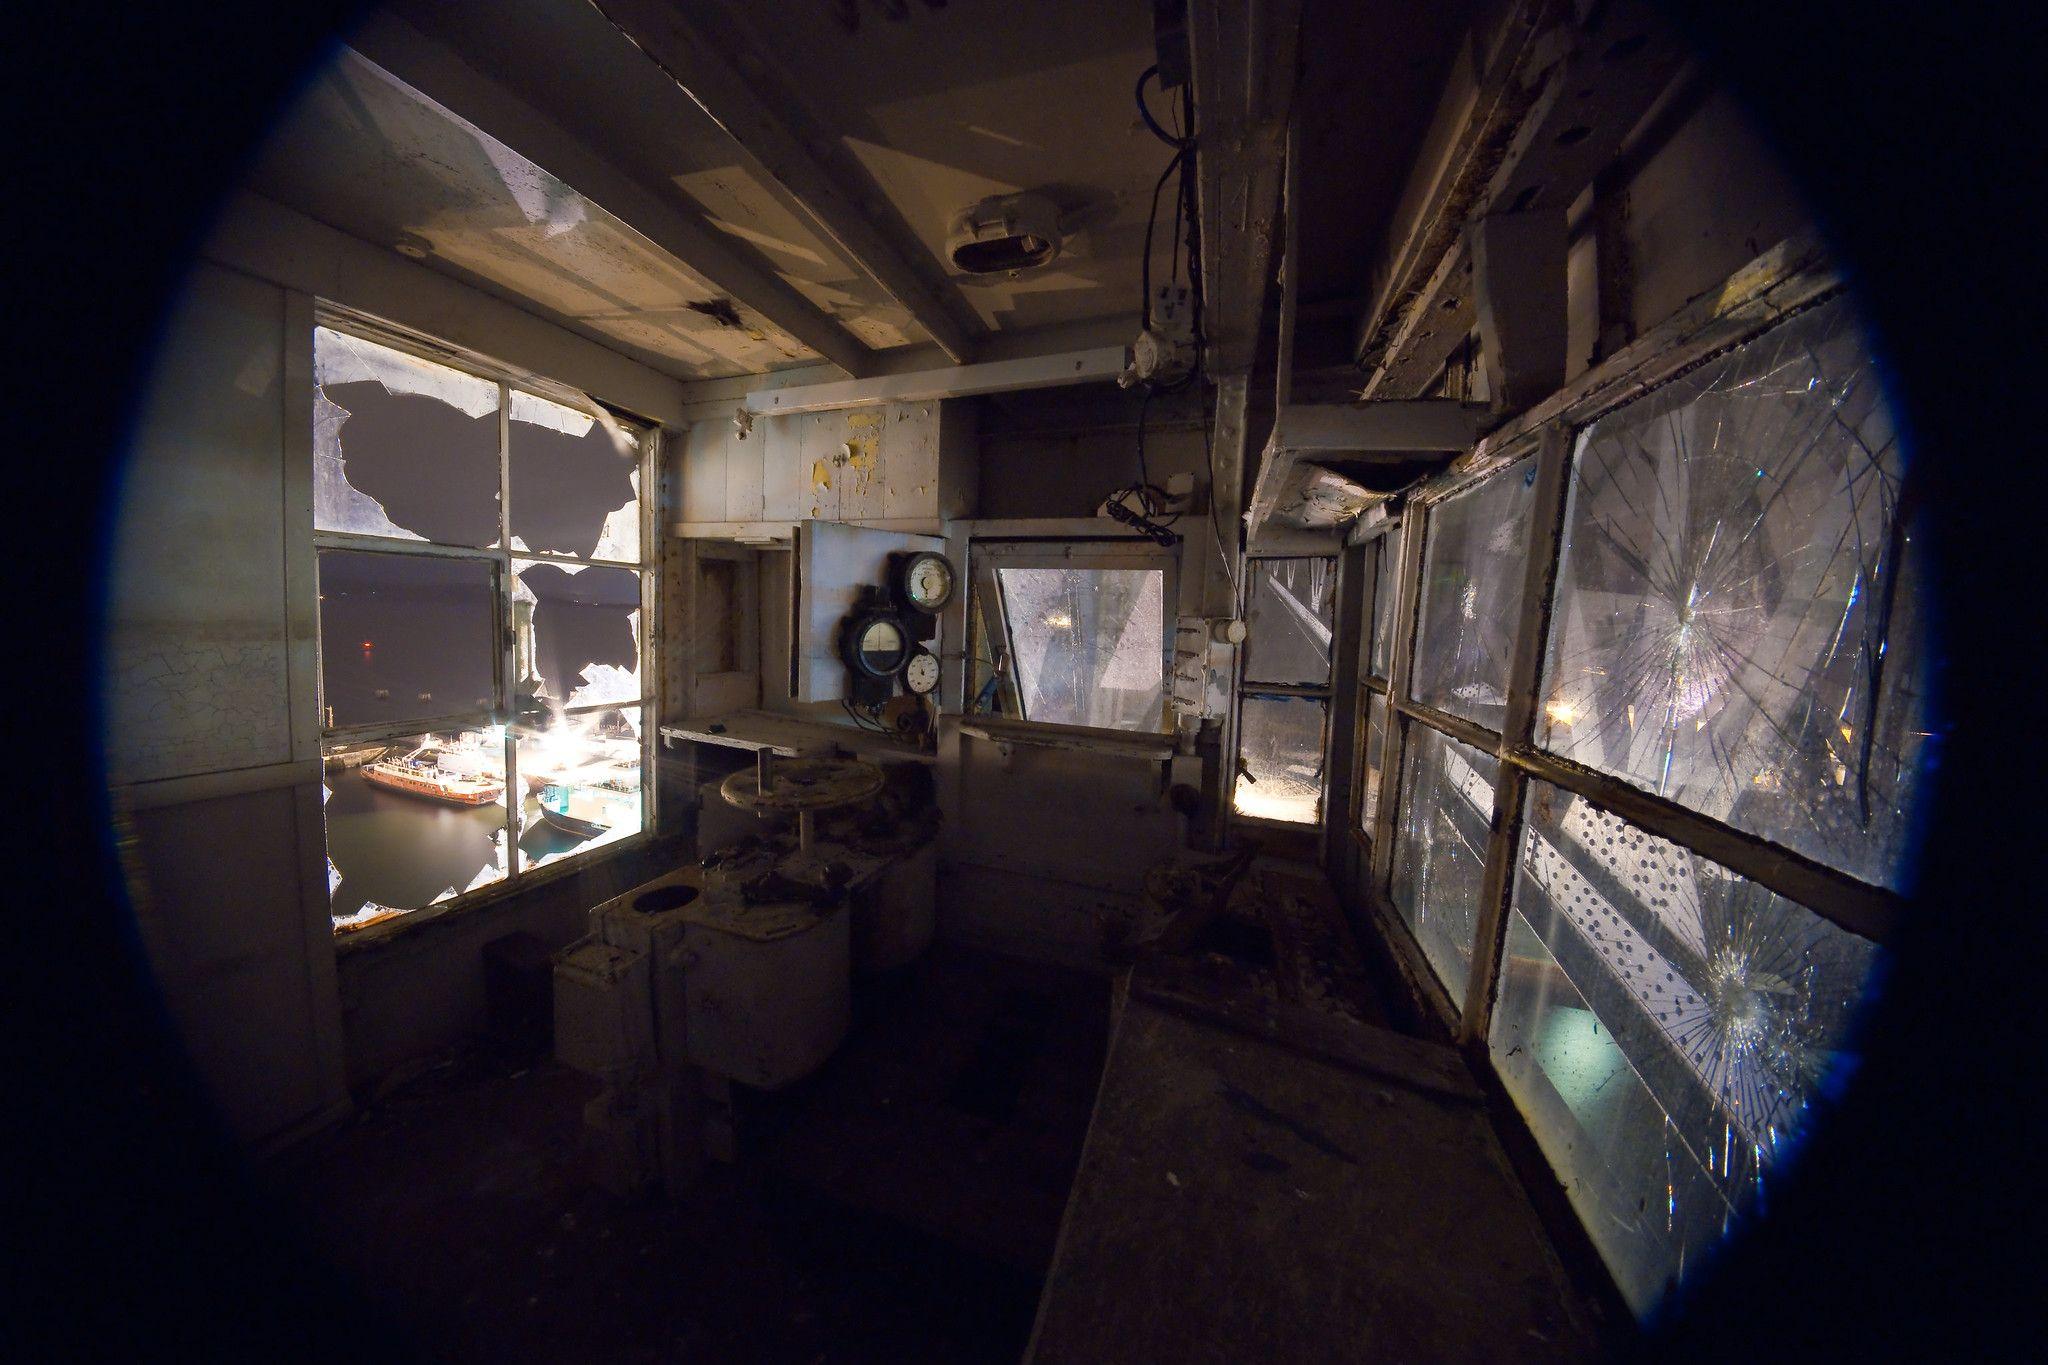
(958, 381)
(1242, 58)
(1304, 431)
(440, 73)
(717, 64)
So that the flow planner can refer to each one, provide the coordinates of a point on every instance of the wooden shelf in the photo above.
(787, 735)
(1149, 748)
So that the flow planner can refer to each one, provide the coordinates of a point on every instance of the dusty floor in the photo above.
(900, 1205)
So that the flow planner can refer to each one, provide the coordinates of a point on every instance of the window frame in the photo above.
(1325, 692)
(502, 558)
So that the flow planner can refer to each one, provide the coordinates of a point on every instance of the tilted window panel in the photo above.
(1289, 621)
(1472, 573)
(1440, 837)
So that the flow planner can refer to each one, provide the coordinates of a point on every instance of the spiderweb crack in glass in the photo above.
(1737, 622)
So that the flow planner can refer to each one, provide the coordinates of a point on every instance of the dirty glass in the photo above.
(576, 633)
(1739, 622)
(1472, 572)
(575, 482)
(1386, 591)
(402, 447)
(412, 822)
(1089, 644)
(406, 637)
(1280, 744)
(1440, 839)
(1289, 613)
(1375, 747)
(580, 781)
(1665, 1026)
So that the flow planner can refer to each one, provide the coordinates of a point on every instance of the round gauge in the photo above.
(921, 674)
(881, 647)
(927, 582)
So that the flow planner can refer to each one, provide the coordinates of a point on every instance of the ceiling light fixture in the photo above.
(1004, 234)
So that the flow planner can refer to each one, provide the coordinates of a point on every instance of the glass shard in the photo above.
(1472, 572)
(1664, 1025)
(1739, 623)
(1089, 644)
(406, 637)
(1440, 837)
(576, 632)
(580, 777)
(575, 482)
(402, 447)
(1289, 615)
(413, 821)
(1280, 740)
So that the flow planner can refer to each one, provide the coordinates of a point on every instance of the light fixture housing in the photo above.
(1004, 234)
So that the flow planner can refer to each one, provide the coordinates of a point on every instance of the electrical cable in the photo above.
(1145, 110)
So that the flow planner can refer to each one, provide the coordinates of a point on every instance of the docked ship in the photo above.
(587, 811)
(421, 773)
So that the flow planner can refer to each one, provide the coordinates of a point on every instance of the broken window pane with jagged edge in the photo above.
(1280, 740)
(1386, 592)
(1440, 840)
(580, 783)
(1665, 1026)
(1472, 572)
(1375, 746)
(1089, 645)
(412, 822)
(406, 637)
(1289, 615)
(576, 634)
(402, 447)
(1739, 625)
(575, 482)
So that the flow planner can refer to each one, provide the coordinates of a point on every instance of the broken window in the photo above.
(1664, 1024)
(1086, 645)
(441, 624)
(1738, 623)
(1472, 572)
(1386, 590)
(1440, 840)
(1289, 616)
(1280, 743)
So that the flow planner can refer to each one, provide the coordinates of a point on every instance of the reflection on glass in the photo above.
(1280, 740)
(402, 447)
(1738, 625)
(576, 632)
(405, 637)
(1472, 571)
(1089, 644)
(1440, 848)
(1375, 746)
(1664, 1025)
(1386, 590)
(575, 482)
(412, 822)
(1290, 610)
(580, 777)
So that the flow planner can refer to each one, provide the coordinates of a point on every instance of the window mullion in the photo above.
(1407, 588)
(508, 645)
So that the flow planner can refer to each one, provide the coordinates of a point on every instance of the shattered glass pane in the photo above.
(1472, 571)
(1089, 645)
(576, 633)
(1664, 1025)
(1440, 837)
(1386, 589)
(1280, 743)
(402, 447)
(1290, 610)
(1738, 621)
(406, 637)
(412, 822)
(581, 781)
(575, 482)
(1375, 746)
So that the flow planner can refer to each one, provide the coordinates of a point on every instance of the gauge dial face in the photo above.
(881, 647)
(929, 582)
(922, 673)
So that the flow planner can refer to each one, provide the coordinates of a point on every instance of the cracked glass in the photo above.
(1472, 574)
(1375, 747)
(1739, 624)
(1667, 1027)
(1440, 837)
(402, 447)
(412, 821)
(1088, 644)
(1386, 589)
(576, 633)
(1289, 616)
(406, 637)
